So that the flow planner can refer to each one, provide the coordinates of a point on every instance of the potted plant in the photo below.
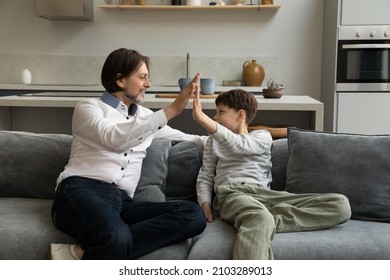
(273, 89)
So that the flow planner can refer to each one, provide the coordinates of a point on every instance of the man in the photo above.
(93, 201)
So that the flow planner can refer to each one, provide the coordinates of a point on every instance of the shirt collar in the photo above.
(117, 104)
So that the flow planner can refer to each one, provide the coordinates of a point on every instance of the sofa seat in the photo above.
(353, 240)
(27, 229)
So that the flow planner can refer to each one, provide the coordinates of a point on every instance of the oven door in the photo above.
(363, 65)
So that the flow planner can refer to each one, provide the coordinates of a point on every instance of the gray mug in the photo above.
(207, 86)
(184, 82)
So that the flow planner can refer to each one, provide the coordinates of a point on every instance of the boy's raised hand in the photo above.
(209, 124)
(197, 112)
(179, 104)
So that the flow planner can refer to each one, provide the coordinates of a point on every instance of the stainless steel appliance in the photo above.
(363, 58)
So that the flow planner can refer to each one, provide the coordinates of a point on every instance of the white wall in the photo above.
(293, 34)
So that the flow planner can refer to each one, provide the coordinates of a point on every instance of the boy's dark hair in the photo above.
(119, 64)
(239, 99)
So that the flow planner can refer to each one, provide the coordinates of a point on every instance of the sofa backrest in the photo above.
(30, 163)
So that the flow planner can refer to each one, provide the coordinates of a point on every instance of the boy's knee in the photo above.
(345, 208)
(342, 205)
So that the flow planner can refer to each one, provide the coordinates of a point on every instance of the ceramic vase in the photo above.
(26, 76)
(252, 73)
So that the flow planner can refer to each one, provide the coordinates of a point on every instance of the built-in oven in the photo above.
(363, 80)
(363, 58)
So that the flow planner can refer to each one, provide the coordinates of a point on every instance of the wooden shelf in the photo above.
(168, 7)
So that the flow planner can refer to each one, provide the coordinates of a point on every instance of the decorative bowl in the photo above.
(273, 93)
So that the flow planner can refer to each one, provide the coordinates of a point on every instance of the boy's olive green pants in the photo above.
(258, 212)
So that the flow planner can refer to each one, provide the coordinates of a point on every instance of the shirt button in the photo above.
(125, 154)
(127, 118)
(122, 168)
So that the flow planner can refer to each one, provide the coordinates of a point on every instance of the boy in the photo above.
(237, 167)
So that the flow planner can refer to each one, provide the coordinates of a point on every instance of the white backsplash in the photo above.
(165, 70)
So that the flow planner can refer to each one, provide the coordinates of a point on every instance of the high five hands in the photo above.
(177, 106)
(197, 113)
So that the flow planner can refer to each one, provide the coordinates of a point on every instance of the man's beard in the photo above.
(135, 98)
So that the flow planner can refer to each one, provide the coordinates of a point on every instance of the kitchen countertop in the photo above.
(95, 88)
(48, 99)
(285, 103)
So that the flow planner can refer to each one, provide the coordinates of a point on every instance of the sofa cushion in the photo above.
(353, 240)
(30, 163)
(177, 251)
(215, 242)
(27, 229)
(357, 166)
(154, 172)
(169, 171)
(184, 162)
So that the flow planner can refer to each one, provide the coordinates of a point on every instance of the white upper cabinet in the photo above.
(365, 12)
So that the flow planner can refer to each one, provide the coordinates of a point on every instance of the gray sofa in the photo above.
(308, 161)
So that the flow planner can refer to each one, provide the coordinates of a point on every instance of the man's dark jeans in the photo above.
(108, 224)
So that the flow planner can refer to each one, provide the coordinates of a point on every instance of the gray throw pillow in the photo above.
(357, 166)
(154, 172)
(169, 171)
(184, 161)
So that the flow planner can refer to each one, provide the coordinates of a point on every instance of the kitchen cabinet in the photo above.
(65, 10)
(183, 7)
(363, 112)
(363, 12)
